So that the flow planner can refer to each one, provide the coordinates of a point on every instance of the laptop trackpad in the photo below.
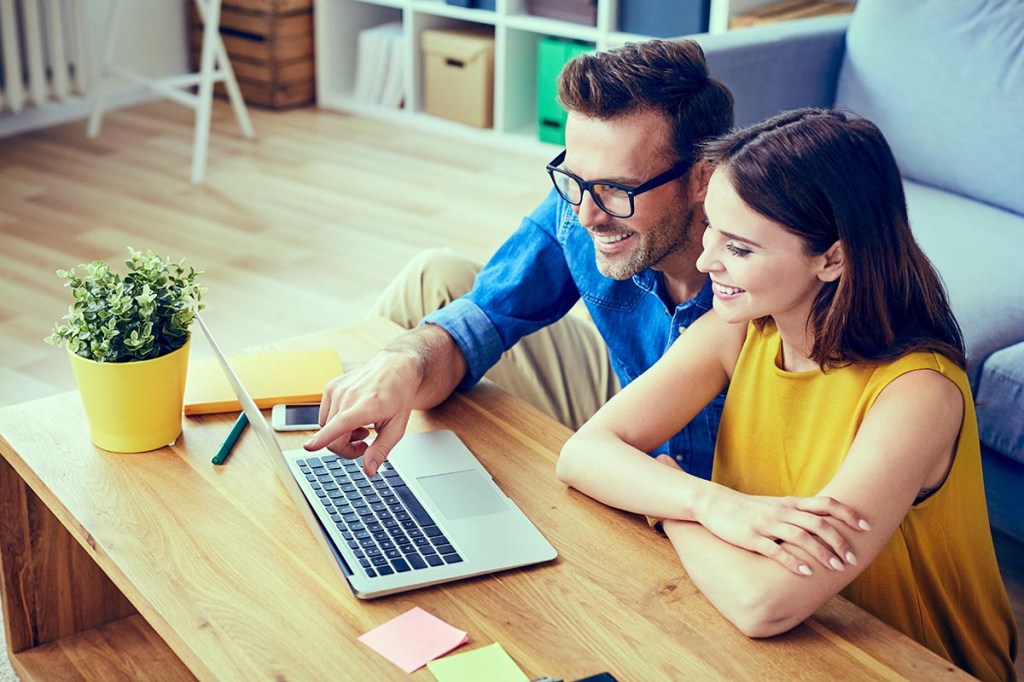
(462, 494)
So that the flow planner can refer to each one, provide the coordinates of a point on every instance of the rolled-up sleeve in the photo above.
(526, 286)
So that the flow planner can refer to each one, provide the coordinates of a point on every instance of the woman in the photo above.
(845, 375)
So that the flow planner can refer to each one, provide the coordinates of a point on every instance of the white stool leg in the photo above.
(96, 116)
(204, 104)
(234, 94)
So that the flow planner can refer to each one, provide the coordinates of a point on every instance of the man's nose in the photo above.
(589, 213)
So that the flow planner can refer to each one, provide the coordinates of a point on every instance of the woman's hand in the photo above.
(771, 525)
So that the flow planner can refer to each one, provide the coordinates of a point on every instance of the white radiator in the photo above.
(42, 52)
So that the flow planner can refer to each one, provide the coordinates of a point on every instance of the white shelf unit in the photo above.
(516, 33)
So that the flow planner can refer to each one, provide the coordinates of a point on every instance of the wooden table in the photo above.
(161, 566)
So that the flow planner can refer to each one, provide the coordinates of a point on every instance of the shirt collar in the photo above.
(653, 283)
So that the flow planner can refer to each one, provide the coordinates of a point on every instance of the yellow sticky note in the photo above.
(489, 663)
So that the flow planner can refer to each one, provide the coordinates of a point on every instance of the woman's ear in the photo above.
(833, 262)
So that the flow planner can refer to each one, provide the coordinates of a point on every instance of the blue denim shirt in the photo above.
(554, 256)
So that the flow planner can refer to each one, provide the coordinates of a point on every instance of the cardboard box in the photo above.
(270, 45)
(459, 75)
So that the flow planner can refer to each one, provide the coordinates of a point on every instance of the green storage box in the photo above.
(552, 54)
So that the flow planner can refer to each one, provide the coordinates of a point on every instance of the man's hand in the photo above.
(379, 394)
(766, 525)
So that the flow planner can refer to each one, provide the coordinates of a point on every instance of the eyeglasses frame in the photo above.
(632, 191)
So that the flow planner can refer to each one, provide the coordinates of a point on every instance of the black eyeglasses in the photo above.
(613, 198)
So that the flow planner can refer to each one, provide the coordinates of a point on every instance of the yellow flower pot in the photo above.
(133, 406)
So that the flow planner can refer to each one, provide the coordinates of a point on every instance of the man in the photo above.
(621, 230)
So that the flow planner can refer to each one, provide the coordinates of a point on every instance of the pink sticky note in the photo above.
(413, 639)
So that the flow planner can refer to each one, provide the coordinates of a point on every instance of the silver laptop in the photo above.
(432, 513)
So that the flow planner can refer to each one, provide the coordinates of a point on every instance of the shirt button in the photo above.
(682, 328)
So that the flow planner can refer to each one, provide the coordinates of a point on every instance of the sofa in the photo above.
(944, 81)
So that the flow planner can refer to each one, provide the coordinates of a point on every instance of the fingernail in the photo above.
(851, 558)
(836, 564)
(804, 569)
(308, 442)
(864, 525)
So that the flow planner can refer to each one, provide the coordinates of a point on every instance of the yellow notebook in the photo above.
(270, 378)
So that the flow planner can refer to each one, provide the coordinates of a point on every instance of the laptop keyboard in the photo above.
(380, 518)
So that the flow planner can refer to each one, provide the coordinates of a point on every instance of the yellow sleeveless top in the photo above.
(786, 433)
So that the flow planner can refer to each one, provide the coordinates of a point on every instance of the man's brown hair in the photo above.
(668, 76)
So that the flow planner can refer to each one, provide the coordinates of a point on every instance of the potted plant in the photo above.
(128, 341)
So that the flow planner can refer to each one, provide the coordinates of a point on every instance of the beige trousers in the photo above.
(562, 369)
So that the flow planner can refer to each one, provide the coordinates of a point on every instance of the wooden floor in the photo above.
(296, 231)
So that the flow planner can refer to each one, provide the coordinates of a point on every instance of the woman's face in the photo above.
(757, 267)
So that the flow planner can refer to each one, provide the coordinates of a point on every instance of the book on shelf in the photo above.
(380, 66)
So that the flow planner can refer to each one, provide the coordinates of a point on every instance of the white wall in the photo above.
(150, 38)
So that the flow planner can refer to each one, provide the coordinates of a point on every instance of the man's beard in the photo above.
(667, 237)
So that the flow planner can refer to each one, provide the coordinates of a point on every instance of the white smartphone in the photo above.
(295, 417)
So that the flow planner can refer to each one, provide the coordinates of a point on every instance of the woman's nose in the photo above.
(707, 262)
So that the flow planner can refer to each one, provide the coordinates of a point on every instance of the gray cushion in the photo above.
(1000, 402)
(976, 249)
(944, 80)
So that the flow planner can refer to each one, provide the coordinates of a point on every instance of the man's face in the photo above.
(631, 150)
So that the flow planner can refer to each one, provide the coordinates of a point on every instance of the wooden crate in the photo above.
(785, 10)
(270, 45)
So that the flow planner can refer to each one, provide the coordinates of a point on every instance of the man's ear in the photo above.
(700, 176)
(833, 263)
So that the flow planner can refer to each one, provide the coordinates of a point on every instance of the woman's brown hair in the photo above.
(825, 175)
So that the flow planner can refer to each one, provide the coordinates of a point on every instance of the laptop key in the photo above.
(400, 565)
(434, 560)
(432, 531)
(452, 558)
(407, 549)
(416, 562)
(379, 560)
(414, 506)
(370, 572)
(445, 549)
(385, 570)
(393, 554)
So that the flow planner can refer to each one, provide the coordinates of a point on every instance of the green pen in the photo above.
(232, 438)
